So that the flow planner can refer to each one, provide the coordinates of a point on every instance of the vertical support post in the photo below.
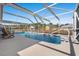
(1, 12)
(74, 25)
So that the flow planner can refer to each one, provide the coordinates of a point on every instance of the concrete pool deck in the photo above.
(44, 49)
(66, 48)
(10, 47)
(19, 45)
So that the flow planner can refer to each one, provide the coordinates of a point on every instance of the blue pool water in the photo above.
(41, 37)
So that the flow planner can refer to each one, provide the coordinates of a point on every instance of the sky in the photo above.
(34, 7)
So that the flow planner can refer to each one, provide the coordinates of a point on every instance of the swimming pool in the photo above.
(41, 37)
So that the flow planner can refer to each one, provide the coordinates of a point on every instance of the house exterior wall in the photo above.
(76, 23)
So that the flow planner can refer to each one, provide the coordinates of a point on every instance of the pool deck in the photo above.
(10, 47)
(22, 46)
(66, 48)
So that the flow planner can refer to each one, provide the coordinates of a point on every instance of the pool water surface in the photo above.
(42, 37)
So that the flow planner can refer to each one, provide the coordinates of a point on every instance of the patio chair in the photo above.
(7, 33)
